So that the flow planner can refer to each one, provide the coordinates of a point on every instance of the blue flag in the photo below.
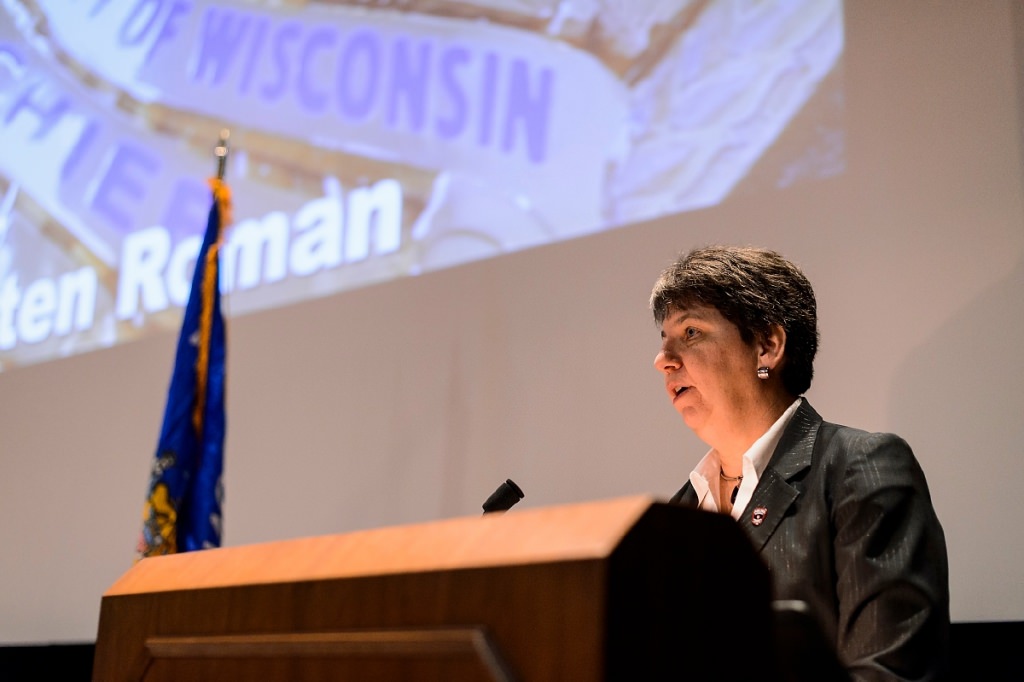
(183, 506)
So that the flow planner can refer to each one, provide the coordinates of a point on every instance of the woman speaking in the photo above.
(842, 517)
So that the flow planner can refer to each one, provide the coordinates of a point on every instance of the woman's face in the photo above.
(710, 373)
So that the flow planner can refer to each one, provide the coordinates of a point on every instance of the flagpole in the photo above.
(182, 511)
(220, 152)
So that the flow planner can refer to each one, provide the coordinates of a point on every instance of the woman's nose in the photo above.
(666, 361)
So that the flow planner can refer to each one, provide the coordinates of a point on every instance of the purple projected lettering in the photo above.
(78, 151)
(42, 111)
(410, 83)
(139, 23)
(222, 35)
(319, 39)
(490, 83)
(453, 58)
(523, 108)
(97, 6)
(48, 106)
(178, 8)
(147, 16)
(188, 206)
(128, 180)
(287, 33)
(421, 86)
(348, 76)
(131, 175)
(255, 48)
(123, 186)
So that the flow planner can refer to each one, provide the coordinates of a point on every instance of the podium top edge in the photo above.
(579, 531)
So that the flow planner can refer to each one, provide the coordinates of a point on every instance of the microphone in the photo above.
(502, 499)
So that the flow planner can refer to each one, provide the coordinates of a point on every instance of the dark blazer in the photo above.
(844, 520)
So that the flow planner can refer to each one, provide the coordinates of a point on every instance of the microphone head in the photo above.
(502, 499)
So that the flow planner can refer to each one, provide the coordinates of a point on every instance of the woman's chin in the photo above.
(692, 418)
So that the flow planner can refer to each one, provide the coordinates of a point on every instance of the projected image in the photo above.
(371, 139)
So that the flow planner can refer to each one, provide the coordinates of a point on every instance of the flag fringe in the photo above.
(222, 195)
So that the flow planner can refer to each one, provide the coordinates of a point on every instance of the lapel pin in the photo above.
(757, 516)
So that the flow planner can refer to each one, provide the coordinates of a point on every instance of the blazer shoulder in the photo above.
(686, 496)
(862, 466)
(852, 446)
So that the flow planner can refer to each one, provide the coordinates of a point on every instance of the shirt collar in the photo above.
(755, 460)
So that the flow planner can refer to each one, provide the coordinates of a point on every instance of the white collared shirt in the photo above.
(704, 478)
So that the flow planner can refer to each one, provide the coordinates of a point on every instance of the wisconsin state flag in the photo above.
(183, 506)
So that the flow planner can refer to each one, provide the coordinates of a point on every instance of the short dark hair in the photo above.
(752, 288)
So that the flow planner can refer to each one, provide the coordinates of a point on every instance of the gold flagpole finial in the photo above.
(221, 152)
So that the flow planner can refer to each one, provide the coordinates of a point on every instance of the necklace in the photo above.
(736, 490)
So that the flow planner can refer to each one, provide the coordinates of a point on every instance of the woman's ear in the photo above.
(772, 347)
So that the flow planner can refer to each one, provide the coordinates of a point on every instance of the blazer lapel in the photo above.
(686, 496)
(774, 493)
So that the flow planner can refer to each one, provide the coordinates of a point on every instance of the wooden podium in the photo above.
(624, 589)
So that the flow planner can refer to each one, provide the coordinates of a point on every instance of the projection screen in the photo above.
(448, 216)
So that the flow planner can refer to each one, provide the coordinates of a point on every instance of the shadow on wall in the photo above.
(969, 438)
